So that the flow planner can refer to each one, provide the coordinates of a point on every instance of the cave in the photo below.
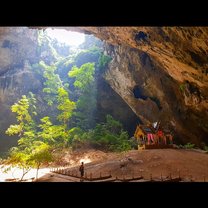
(89, 97)
(129, 74)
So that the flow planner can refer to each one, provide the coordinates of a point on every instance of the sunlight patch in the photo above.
(67, 37)
(85, 160)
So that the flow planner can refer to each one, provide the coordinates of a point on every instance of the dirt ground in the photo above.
(190, 165)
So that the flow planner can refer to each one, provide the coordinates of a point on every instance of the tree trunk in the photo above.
(24, 173)
(13, 174)
(37, 171)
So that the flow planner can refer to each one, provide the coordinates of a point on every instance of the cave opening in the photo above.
(66, 37)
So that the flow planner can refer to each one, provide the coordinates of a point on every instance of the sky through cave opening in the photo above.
(66, 37)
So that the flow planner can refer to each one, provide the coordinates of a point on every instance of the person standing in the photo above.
(81, 169)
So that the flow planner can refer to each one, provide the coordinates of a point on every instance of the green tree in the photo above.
(112, 125)
(65, 105)
(106, 136)
(86, 104)
(84, 75)
(103, 61)
(46, 133)
(40, 153)
(20, 158)
(111, 135)
(53, 135)
(86, 109)
(52, 83)
(24, 110)
(30, 151)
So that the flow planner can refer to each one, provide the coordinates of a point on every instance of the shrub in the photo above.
(189, 146)
(182, 87)
(106, 136)
(206, 148)
(103, 61)
(133, 143)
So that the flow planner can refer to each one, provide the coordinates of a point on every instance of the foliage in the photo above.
(108, 136)
(59, 96)
(32, 102)
(77, 137)
(65, 61)
(24, 109)
(182, 87)
(54, 52)
(85, 56)
(30, 150)
(61, 48)
(46, 134)
(33, 155)
(91, 42)
(40, 154)
(95, 50)
(36, 68)
(134, 143)
(86, 109)
(52, 83)
(84, 75)
(189, 146)
(86, 104)
(20, 158)
(41, 35)
(74, 133)
(206, 148)
(45, 42)
(53, 135)
(103, 61)
(65, 105)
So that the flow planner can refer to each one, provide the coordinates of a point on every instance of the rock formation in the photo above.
(161, 73)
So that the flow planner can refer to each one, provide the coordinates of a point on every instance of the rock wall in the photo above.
(17, 54)
(169, 68)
